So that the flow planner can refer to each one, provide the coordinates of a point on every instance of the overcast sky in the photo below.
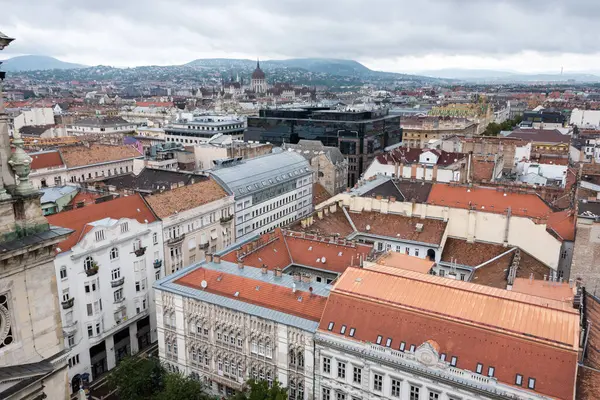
(391, 35)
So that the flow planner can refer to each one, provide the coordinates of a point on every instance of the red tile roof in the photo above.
(132, 207)
(85, 197)
(563, 224)
(403, 155)
(560, 291)
(515, 333)
(153, 104)
(272, 296)
(281, 249)
(488, 200)
(540, 135)
(46, 159)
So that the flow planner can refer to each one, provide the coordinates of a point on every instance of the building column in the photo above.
(133, 339)
(111, 360)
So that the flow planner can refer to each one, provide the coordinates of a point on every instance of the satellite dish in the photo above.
(204, 284)
(323, 260)
(368, 227)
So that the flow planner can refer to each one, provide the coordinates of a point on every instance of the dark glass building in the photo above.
(360, 136)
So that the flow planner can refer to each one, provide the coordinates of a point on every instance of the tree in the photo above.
(137, 378)
(179, 387)
(260, 390)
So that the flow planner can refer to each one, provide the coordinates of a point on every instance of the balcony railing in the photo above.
(157, 263)
(118, 301)
(117, 282)
(91, 271)
(225, 220)
(203, 246)
(70, 329)
(68, 303)
(175, 240)
(140, 252)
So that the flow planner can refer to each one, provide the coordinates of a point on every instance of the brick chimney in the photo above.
(264, 269)
(217, 259)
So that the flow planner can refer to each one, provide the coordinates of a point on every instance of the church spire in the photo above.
(257, 63)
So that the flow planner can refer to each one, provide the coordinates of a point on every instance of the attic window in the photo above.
(300, 298)
(443, 357)
(491, 371)
(379, 338)
(388, 342)
(453, 361)
(352, 330)
(343, 330)
(310, 248)
(479, 368)
(330, 327)
(340, 254)
(412, 348)
(531, 383)
(402, 346)
(519, 380)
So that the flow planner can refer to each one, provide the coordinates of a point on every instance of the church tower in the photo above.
(33, 358)
(259, 82)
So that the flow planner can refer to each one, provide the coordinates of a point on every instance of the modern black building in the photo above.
(360, 136)
(546, 116)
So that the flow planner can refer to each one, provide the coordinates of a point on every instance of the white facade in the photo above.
(105, 307)
(189, 235)
(348, 370)
(34, 117)
(552, 172)
(585, 118)
(418, 171)
(105, 169)
(199, 129)
(78, 130)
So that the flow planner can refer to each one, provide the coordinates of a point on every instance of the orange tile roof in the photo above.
(560, 291)
(79, 156)
(488, 200)
(185, 198)
(320, 194)
(46, 159)
(281, 249)
(132, 207)
(86, 197)
(272, 296)
(399, 226)
(515, 333)
(393, 259)
(334, 223)
(563, 224)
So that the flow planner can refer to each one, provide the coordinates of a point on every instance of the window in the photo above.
(357, 375)
(71, 340)
(155, 238)
(352, 330)
(90, 331)
(341, 373)
(330, 326)
(416, 252)
(412, 348)
(343, 330)
(157, 274)
(443, 357)
(124, 227)
(63, 272)
(396, 385)
(433, 395)
(377, 382)
(115, 274)
(114, 253)
(453, 361)
(531, 383)
(340, 396)
(519, 380)
(388, 342)
(66, 295)
(414, 392)
(254, 347)
(326, 394)
(379, 338)
(99, 235)
(491, 371)
(88, 263)
(479, 368)
(326, 365)
(118, 295)
(90, 310)
(137, 244)
(73, 360)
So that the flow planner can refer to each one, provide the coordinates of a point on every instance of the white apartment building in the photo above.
(199, 129)
(409, 341)
(104, 274)
(263, 330)
(100, 125)
(197, 219)
(270, 191)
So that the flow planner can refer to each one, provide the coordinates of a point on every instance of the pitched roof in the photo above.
(540, 135)
(132, 207)
(560, 291)
(403, 155)
(394, 260)
(152, 180)
(488, 200)
(320, 194)
(334, 223)
(46, 159)
(399, 227)
(563, 224)
(276, 297)
(515, 333)
(80, 156)
(185, 198)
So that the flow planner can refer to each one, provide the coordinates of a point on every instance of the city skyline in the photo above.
(383, 35)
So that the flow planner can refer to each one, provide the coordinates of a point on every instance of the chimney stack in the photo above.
(264, 269)
(217, 259)
(209, 257)
(277, 272)
(240, 264)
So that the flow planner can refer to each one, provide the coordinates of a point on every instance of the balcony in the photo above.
(93, 270)
(140, 252)
(175, 240)
(157, 263)
(117, 282)
(225, 220)
(119, 301)
(70, 329)
(68, 303)
(203, 246)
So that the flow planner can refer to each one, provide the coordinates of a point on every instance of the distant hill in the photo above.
(492, 76)
(33, 63)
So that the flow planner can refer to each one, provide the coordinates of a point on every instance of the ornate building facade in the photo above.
(258, 83)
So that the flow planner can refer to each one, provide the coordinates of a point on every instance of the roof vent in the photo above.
(419, 227)
(236, 294)
(368, 227)
(323, 259)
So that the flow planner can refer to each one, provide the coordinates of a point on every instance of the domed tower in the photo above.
(259, 81)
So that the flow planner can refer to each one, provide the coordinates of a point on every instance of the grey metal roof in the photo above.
(257, 174)
(54, 233)
(51, 194)
(320, 289)
(311, 148)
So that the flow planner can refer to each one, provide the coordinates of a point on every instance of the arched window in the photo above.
(261, 375)
(254, 373)
(300, 359)
(292, 357)
(114, 253)
(240, 370)
(268, 352)
(300, 391)
(175, 347)
(226, 366)
(269, 378)
(292, 390)
(88, 263)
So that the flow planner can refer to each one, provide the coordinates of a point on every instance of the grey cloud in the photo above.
(132, 32)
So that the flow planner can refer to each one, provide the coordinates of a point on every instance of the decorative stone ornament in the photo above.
(427, 353)
(20, 162)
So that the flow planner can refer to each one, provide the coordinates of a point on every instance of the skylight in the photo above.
(343, 330)
(352, 330)
(330, 327)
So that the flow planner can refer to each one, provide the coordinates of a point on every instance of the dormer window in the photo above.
(531, 383)
(443, 357)
(352, 330)
(343, 330)
(519, 380)
(379, 339)
(479, 368)
(453, 361)
(402, 346)
(330, 327)
(412, 348)
(99, 235)
(388, 342)
(491, 371)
